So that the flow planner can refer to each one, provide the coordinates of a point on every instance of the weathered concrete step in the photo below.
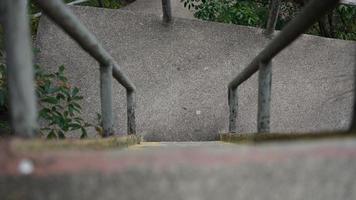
(182, 70)
(320, 170)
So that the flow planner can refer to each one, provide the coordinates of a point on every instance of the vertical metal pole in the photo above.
(106, 99)
(20, 68)
(167, 11)
(264, 97)
(233, 106)
(131, 118)
(273, 17)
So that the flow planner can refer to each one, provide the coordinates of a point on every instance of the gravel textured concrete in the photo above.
(182, 70)
(155, 7)
(322, 170)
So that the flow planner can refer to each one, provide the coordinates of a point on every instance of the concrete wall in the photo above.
(181, 72)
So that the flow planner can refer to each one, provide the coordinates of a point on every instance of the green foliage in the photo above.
(59, 103)
(340, 24)
(113, 4)
(347, 22)
(243, 12)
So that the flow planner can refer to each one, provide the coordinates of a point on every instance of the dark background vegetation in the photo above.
(340, 23)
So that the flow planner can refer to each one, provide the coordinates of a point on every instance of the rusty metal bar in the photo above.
(264, 97)
(273, 17)
(63, 17)
(167, 11)
(308, 16)
(20, 75)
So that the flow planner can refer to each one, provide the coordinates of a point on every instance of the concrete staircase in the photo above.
(182, 71)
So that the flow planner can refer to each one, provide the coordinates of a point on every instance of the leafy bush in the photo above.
(243, 12)
(339, 24)
(59, 103)
(346, 25)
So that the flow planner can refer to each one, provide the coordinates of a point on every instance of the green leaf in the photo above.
(77, 98)
(61, 68)
(60, 96)
(44, 113)
(62, 78)
(50, 100)
(75, 91)
(52, 90)
(75, 126)
(36, 50)
(76, 105)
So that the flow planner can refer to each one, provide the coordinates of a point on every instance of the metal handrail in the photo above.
(308, 16)
(109, 68)
(20, 65)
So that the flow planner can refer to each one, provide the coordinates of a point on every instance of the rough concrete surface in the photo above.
(155, 7)
(182, 70)
(322, 170)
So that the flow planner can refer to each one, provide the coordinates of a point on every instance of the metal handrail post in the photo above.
(264, 97)
(273, 17)
(64, 18)
(167, 11)
(131, 107)
(106, 99)
(233, 106)
(20, 75)
(308, 16)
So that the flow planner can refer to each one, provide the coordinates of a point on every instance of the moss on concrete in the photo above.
(94, 144)
(270, 137)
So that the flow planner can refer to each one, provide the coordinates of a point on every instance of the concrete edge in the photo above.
(20, 145)
(280, 137)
